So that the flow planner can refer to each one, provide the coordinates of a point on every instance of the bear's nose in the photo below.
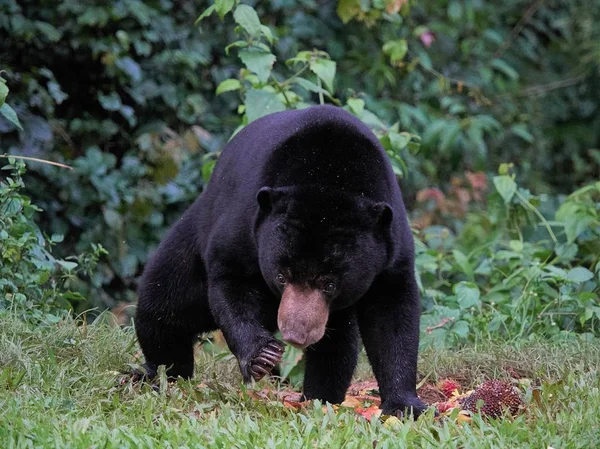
(297, 339)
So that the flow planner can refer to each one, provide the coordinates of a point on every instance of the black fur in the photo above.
(309, 194)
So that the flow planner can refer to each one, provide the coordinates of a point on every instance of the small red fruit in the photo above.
(448, 387)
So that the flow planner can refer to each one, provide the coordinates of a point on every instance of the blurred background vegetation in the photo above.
(126, 93)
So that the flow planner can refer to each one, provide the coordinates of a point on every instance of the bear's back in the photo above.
(322, 146)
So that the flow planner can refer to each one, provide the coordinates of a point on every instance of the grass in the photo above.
(59, 389)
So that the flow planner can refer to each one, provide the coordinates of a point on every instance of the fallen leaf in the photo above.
(295, 405)
(392, 422)
(464, 416)
(369, 413)
(351, 401)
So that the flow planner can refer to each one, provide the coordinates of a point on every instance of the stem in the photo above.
(35, 159)
(280, 89)
(295, 75)
(321, 99)
(517, 29)
(539, 215)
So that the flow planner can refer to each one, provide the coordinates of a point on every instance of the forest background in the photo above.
(489, 112)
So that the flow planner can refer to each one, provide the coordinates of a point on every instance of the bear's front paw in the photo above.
(266, 359)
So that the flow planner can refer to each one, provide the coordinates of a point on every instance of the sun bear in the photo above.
(301, 229)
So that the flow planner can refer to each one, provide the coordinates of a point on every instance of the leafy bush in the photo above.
(510, 273)
(126, 92)
(34, 285)
(118, 90)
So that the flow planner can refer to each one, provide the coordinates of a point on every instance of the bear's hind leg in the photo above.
(172, 310)
(168, 342)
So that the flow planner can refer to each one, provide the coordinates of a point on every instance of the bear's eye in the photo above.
(280, 278)
(330, 288)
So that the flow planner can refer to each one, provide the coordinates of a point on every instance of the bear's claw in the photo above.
(266, 359)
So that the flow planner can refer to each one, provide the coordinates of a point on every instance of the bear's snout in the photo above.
(302, 316)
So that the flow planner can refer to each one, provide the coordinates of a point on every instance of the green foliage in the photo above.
(5, 110)
(485, 84)
(510, 273)
(34, 285)
(125, 93)
(58, 389)
(140, 100)
(262, 92)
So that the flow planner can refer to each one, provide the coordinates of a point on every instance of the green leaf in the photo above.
(94, 17)
(503, 67)
(224, 6)
(67, 265)
(207, 12)
(449, 135)
(56, 92)
(110, 102)
(207, 169)
(303, 56)
(48, 30)
(9, 114)
(324, 69)
(246, 17)
(260, 103)
(236, 44)
(357, 105)
(3, 91)
(461, 328)
(566, 251)
(574, 220)
(228, 85)
(463, 262)
(348, 9)
(74, 296)
(266, 31)
(506, 187)
(311, 87)
(259, 62)
(516, 245)
(467, 295)
(521, 130)
(11, 206)
(576, 225)
(455, 10)
(497, 321)
(396, 50)
(579, 275)
(130, 67)
(399, 141)
(112, 218)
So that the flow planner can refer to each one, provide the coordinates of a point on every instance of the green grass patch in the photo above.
(59, 389)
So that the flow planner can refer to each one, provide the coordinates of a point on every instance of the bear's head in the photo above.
(320, 249)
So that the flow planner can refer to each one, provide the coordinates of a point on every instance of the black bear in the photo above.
(301, 228)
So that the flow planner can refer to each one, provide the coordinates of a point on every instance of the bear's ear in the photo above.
(383, 213)
(265, 197)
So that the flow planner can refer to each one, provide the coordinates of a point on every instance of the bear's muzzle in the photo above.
(302, 316)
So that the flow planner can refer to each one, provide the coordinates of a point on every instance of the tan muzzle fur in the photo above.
(302, 315)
